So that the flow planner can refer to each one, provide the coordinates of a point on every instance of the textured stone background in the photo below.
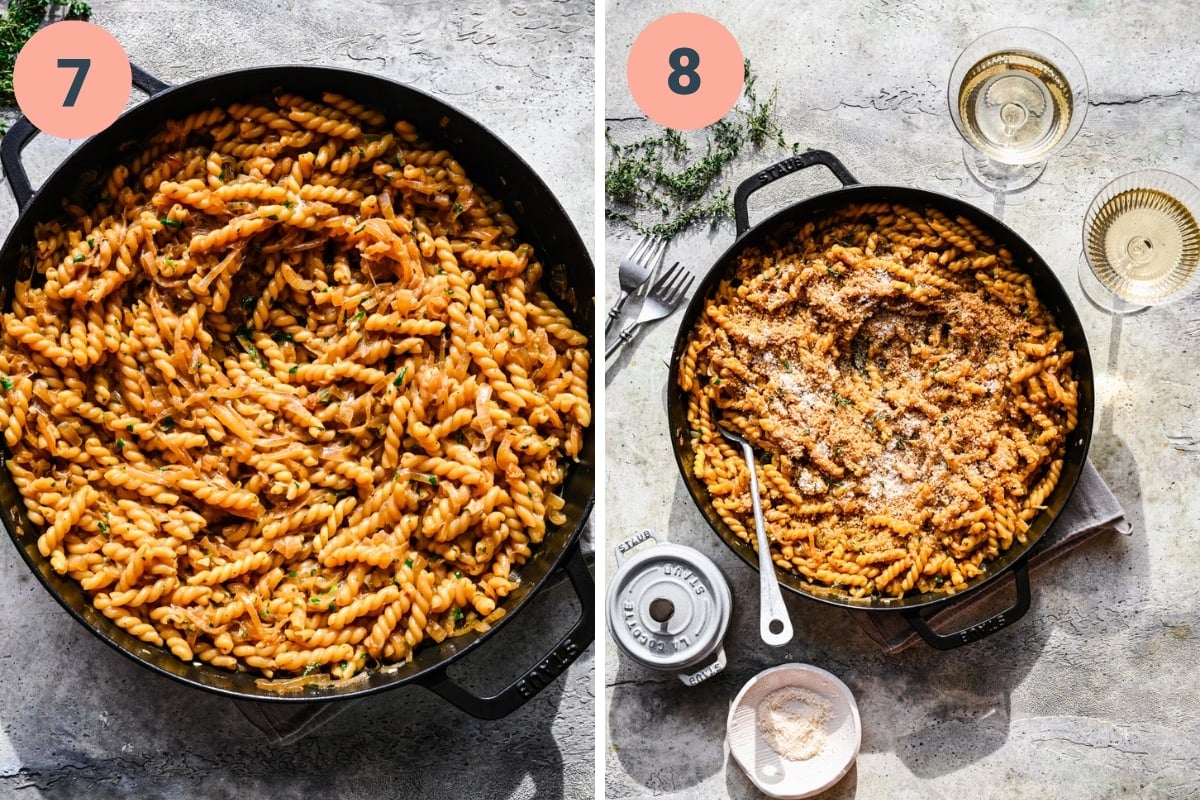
(1094, 694)
(78, 719)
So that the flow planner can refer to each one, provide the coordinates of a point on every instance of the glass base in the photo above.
(999, 177)
(1100, 295)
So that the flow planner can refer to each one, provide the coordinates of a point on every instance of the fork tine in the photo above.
(665, 278)
(667, 288)
(656, 253)
(635, 251)
(677, 290)
(681, 290)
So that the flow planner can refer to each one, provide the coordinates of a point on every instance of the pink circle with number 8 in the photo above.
(72, 79)
(685, 71)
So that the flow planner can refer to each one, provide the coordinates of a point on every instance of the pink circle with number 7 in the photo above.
(72, 79)
(685, 71)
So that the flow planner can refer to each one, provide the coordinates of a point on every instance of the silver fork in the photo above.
(635, 271)
(664, 297)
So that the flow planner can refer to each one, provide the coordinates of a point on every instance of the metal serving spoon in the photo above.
(774, 625)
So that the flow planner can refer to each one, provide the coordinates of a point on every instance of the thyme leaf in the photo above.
(663, 184)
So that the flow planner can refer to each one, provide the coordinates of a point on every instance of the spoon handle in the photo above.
(775, 626)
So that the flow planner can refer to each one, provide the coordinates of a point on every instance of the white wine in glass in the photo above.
(1017, 96)
(1141, 242)
(1016, 107)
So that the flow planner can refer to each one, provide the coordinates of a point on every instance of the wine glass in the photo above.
(1017, 96)
(1141, 242)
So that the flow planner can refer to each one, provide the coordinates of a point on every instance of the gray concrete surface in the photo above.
(1094, 694)
(78, 719)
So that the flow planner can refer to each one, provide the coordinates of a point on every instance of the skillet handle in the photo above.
(23, 130)
(777, 171)
(541, 674)
(949, 641)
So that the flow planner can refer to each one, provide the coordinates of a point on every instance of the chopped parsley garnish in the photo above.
(243, 335)
(400, 376)
(170, 223)
(7, 384)
(167, 424)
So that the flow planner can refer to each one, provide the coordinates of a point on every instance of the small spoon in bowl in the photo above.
(775, 626)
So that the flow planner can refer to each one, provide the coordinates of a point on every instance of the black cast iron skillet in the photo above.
(778, 228)
(570, 277)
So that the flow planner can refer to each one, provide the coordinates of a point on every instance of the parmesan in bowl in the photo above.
(794, 730)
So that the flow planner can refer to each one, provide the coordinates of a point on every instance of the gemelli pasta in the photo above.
(908, 394)
(288, 394)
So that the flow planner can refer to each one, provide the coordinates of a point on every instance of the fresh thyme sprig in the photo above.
(652, 176)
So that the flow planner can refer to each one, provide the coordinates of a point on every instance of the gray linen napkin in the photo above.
(1092, 509)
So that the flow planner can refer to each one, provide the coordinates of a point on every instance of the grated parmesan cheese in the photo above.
(792, 722)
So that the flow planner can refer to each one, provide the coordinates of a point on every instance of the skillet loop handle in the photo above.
(23, 130)
(540, 675)
(777, 171)
(10, 156)
(147, 82)
(949, 641)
